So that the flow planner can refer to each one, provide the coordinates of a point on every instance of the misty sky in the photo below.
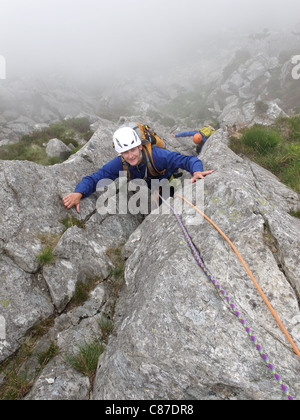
(106, 36)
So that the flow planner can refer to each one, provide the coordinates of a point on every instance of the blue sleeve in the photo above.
(171, 161)
(111, 170)
(187, 134)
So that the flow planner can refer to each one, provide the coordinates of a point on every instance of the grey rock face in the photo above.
(176, 338)
(58, 381)
(32, 215)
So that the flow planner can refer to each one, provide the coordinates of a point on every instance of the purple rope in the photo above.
(230, 303)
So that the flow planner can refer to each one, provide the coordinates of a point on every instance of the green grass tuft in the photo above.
(32, 147)
(276, 148)
(262, 139)
(86, 359)
(71, 221)
(46, 256)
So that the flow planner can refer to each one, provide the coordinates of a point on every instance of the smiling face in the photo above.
(133, 156)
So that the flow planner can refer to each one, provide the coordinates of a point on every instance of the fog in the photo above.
(98, 38)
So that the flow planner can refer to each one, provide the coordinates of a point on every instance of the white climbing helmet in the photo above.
(125, 139)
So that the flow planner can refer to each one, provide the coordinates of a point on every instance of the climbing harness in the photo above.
(222, 291)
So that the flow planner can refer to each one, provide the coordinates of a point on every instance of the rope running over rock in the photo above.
(230, 303)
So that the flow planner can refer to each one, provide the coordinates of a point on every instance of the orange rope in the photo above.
(250, 274)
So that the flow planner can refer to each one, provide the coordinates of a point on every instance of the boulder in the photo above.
(56, 148)
(246, 115)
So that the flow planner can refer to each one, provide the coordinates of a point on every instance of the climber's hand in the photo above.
(72, 200)
(200, 175)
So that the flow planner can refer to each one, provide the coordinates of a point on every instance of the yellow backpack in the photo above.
(149, 136)
(207, 131)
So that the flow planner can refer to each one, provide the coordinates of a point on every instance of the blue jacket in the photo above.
(163, 160)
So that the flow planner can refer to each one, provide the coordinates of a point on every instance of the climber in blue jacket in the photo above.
(193, 134)
(134, 158)
(200, 137)
(189, 134)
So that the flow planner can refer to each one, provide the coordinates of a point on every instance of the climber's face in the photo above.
(134, 156)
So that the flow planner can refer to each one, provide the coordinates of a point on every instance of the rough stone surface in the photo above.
(176, 338)
(56, 148)
(31, 215)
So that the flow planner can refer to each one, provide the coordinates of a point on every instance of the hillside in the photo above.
(168, 324)
(244, 81)
(113, 305)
